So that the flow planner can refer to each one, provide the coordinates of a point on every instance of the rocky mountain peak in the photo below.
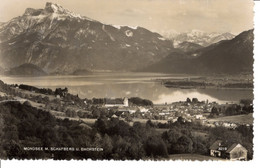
(32, 12)
(60, 41)
(49, 9)
(54, 8)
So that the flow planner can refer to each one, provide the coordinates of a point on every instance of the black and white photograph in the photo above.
(148, 80)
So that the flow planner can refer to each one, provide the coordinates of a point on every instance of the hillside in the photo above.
(231, 56)
(188, 46)
(225, 57)
(26, 70)
(239, 119)
(60, 41)
(176, 62)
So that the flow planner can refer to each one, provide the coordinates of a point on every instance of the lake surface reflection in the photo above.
(142, 85)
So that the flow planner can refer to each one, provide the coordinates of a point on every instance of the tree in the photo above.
(97, 140)
(155, 146)
(15, 150)
(245, 131)
(96, 113)
(184, 145)
(128, 119)
(150, 124)
(181, 120)
(136, 150)
(107, 146)
(27, 103)
(195, 100)
(171, 137)
(119, 127)
(140, 102)
(229, 136)
(102, 125)
(231, 110)
(214, 111)
(46, 99)
(188, 100)
(70, 113)
(246, 102)
(121, 147)
(199, 145)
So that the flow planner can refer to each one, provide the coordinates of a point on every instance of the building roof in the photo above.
(218, 143)
(215, 145)
(114, 116)
(233, 147)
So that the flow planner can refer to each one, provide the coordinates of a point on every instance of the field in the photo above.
(193, 157)
(239, 119)
(86, 120)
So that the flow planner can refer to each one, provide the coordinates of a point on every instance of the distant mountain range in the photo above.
(60, 41)
(54, 40)
(197, 37)
(225, 57)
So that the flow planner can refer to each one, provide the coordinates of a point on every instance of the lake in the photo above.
(114, 85)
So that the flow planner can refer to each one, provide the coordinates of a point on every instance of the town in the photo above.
(202, 115)
(63, 104)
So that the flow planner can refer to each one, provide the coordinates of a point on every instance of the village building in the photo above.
(143, 109)
(234, 152)
(114, 116)
(130, 110)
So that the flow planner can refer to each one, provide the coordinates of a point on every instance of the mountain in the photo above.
(60, 41)
(169, 34)
(224, 36)
(198, 37)
(225, 57)
(1, 70)
(230, 56)
(26, 70)
(176, 62)
(188, 46)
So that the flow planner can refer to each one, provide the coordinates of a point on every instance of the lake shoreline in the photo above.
(144, 85)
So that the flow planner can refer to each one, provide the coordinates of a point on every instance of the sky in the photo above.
(161, 16)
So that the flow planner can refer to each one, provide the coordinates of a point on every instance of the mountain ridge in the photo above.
(58, 40)
(225, 57)
(198, 37)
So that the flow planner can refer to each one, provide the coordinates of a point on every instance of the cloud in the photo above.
(132, 12)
